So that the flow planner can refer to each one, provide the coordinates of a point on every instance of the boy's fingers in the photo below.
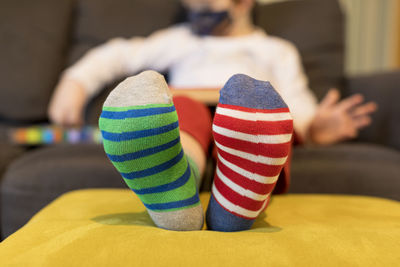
(55, 116)
(364, 109)
(350, 102)
(73, 119)
(362, 122)
(330, 99)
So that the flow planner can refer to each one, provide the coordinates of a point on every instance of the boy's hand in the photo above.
(337, 121)
(67, 103)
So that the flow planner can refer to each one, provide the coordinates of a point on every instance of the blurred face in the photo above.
(212, 5)
(211, 17)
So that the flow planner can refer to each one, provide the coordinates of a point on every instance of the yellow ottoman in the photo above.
(111, 228)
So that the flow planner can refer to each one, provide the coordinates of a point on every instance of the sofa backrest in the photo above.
(39, 38)
(33, 44)
(97, 21)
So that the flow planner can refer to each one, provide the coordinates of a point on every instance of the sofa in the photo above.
(40, 38)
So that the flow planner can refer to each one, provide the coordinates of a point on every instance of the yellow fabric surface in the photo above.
(111, 228)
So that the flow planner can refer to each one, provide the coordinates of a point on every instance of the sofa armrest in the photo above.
(384, 89)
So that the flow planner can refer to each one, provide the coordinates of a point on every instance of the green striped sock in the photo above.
(140, 133)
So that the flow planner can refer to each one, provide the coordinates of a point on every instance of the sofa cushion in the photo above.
(8, 153)
(112, 228)
(38, 177)
(33, 41)
(358, 169)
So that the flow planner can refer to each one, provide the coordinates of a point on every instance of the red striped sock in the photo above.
(253, 145)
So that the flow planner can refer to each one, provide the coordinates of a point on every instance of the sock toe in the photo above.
(148, 87)
(225, 221)
(244, 91)
(180, 220)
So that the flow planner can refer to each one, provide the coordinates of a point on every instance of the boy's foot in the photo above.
(140, 133)
(252, 130)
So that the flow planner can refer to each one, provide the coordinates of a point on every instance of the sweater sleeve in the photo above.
(293, 86)
(120, 57)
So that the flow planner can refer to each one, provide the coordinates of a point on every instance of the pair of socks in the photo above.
(252, 129)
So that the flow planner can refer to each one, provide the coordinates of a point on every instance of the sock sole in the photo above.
(140, 132)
